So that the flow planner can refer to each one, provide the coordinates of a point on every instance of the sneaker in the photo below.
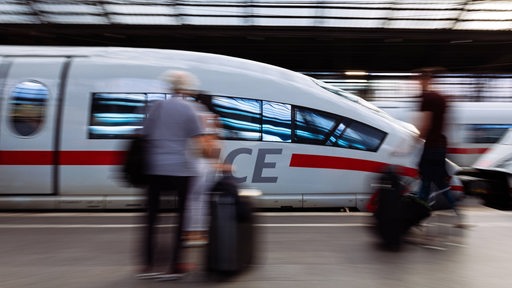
(170, 277)
(150, 275)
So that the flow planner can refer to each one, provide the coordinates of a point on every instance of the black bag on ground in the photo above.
(396, 213)
(388, 211)
(134, 163)
(231, 235)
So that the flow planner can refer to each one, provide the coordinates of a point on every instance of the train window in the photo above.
(335, 138)
(277, 122)
(255, 120)
(356, 135)
(361, 137)
(486, 133)
(312, 127)
(240, 118)
(119, 115)
(27, 107)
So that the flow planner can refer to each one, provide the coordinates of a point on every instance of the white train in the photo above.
(472, 127)
(66, 113)
(490, 177)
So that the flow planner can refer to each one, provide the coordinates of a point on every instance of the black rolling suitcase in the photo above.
(388, 209)
(396, 213)
(231, 235)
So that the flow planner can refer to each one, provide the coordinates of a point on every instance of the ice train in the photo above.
(67, 112)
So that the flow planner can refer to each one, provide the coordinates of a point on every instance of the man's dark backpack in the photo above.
(134, 163)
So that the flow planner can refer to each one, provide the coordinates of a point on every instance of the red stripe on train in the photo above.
(65, 157)
(91, 157)
(344, 163)
(453, 150)
(26, 157)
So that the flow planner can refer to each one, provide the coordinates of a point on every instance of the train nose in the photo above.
(407, 146)
(409, 127)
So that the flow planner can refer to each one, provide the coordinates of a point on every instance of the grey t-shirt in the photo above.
(169, 128)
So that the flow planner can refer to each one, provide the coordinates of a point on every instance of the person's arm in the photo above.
(202, 144)
(209, 146)
(423, 123)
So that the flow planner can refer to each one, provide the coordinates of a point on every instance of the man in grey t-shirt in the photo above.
(171, 127)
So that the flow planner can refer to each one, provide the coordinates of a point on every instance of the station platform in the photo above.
(294, 249)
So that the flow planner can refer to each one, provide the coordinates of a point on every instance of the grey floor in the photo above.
(309, 249)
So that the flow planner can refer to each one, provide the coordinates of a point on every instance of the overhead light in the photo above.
(392, 74)
(356, 73)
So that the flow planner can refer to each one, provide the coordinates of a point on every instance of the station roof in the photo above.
(463, 35)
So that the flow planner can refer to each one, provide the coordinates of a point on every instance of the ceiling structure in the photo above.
(302, 35)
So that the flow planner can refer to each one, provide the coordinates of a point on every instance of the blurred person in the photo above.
(196, 220)
(171, 128)
(431, 124)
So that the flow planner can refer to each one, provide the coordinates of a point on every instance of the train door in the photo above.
(29, 98)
